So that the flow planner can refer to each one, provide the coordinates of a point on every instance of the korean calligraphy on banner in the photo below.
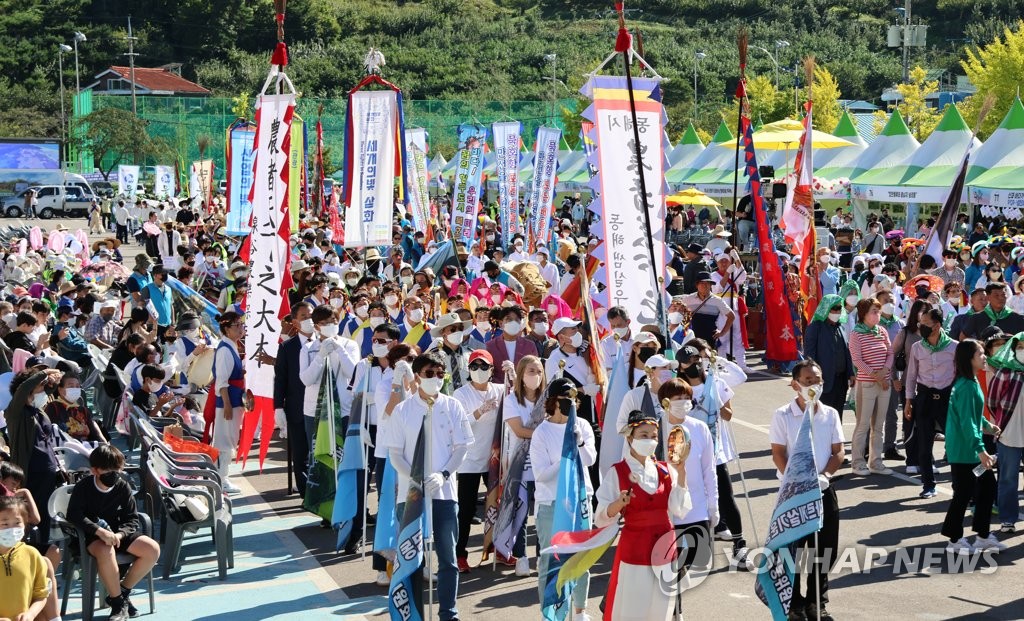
(506, 168)
(239, 164)
(419, 197)
(626, 269)
(542, 192)
(370, 167)
(268, 254)
(127, 180)
(202, 176)
(468, 174)
(163, 184)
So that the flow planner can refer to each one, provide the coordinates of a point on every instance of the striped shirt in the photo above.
(870, 352)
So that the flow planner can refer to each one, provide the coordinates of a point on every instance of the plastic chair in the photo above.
(75, 553)
(171, 481)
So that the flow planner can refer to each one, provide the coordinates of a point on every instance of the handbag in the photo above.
(899, 361)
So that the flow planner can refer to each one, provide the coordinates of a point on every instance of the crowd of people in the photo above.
(486, 354)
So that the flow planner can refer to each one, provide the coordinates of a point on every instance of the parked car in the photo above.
(103, 188)
(222, 187)
(54, 201)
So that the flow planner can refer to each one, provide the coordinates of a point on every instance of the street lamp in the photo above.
(775, 63)
(697, 57)
(79, 38)
(553, 59)
(61, 51)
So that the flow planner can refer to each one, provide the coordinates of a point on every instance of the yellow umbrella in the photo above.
(785, 135)
(692, 196)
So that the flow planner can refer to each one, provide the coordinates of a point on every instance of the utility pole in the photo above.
(906, 42)
(131, 63)
(697, 57)
(63, 49)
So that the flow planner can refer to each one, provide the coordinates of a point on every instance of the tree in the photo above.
(112, 134)
(919, 116)
(995, 68)
(826, 100)
(242, 106)
(767, 103)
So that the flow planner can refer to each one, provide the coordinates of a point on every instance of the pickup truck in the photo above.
(55, 201)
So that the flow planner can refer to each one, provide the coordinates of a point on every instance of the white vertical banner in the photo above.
(268, 253)
(371, 197)
(506, 168)
(542, 192)
(626, 271)
(127, 180)
(419, 197)
(163, 186)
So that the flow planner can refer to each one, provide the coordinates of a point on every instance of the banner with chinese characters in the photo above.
(202, 176)
(416, 148)
(296, 170)
(163, 182)
(372, 161)
(542, 192)
(506, 169)
(268, 250)
(626, 271)
(239, 166)
(468, 174)
(127, 180)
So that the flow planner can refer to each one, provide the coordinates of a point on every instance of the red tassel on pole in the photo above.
(280, 56)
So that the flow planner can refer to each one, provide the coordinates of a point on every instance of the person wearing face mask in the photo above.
(679, 333)
(979, 259)
(705, 309)
(192, 341)
(229, 390)
(827, 439)
(949, 272)
(873, 356)
(993, 274)
(850, 294)
(481, 398)
(930, 370)
(828, 274)
(25, 594)
(512, 346)
(69, 412)
(482, 330)
(429, 416)
(414, 328)
(648, 495)
(825, 343)
(102, 328)
(350, 277)
(494, 274)
(293, 357)
(518, 254)
(649, 371)
(450, 344)
(377, 315)
(537, 332)
(621, 334)
(996, 313)
(892, 326)
(874, 272)
(360, 312)
(159, 294)
(152, 395)
(396, 264)
(576, 367)
(392, 296)
(1003, 399)
(548, 270)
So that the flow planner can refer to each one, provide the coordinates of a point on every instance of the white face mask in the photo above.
(352, 282)
(73, 394)
(306, 326)
(949, 263)
(675, 318)
(155, 386)
(407, 281)
(1019, 355)
(644, 447)
(431, 385)
(480, 376)
(680, 407)
(834, 317)
(415, 315)
(552, 310)
(361, 311)
(888, 308)
(851, 300)
(391, 300)
(876, 270)
(9, 537)
(490, 237)
(577, 340)
(40, 400)
(379, 350)
(376, 322)
(191, 335)
(532, 382)
(337, 302)
(329, 331)
(513, 328)
(817, 389)
(455, 338)
(483, 327)
(540, 328)
(620, 332)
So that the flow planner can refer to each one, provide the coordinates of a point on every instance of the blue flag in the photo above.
(571, 514)
(346, 494)
(402, 602)
(385, 530)
(797, 514)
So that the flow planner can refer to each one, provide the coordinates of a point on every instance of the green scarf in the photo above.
(887, 322)
(1006, 357)
(943, 341)
(863, 328)
(825, 305)
(994, 316)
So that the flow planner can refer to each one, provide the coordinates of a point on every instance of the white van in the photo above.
(55, 201)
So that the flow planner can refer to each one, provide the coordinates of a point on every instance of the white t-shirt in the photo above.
(701, 478)
(449, 428)
(726, 450)
(483, 428)
(512, 409)
(826, 430)
(546, 457)
(381, 396)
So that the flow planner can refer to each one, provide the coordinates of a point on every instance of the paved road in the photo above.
(878, 513)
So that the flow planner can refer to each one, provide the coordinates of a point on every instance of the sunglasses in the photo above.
(479, 366)
(431, 374)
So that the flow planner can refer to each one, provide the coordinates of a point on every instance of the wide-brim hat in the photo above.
(299, 265)
(721, 232)
(704, 277)
(111, 242)
(448, 320)
(372, 254)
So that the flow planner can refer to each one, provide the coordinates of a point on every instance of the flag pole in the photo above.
(624, 45)
(741, 41)
(363, 424)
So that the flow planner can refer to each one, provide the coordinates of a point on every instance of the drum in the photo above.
(200, 371)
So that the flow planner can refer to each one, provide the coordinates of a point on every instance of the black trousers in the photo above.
(694, 546)
(966, 486)
(41, 485)
(827, 549)
(469, 488)
(929, 411)
(371, 461)
(836, 398)
(728, 511)
(121, 232)
(300, 453)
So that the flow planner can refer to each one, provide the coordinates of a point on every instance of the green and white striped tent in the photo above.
(711, 171)
(995, 176)
(891, 148)
(688, 148)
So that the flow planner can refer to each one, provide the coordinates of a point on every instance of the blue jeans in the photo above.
(545, 518)
(1006, 493)
(445, 520)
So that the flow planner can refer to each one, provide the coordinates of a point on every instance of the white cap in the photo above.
(657, 361)
(562, 323)
(644, 337)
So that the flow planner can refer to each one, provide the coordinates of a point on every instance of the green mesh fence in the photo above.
(180, 121)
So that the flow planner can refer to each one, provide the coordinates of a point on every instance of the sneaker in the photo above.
(476, 521)
(882, 470)
(126, 596)
(893, 454)
(581, 616)
(861, 471)
(353, 545)
(230, 488)
(508, 561)
(913, 470)
(523, 566)
(1006, 528)
(939, 437)
(741, 559)
(988, 543)
(724, 535)
(382, 579)
(817, 614)
(927, 493)
(463, 565)
(117, 609)
(797, 614)
(962, 546)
